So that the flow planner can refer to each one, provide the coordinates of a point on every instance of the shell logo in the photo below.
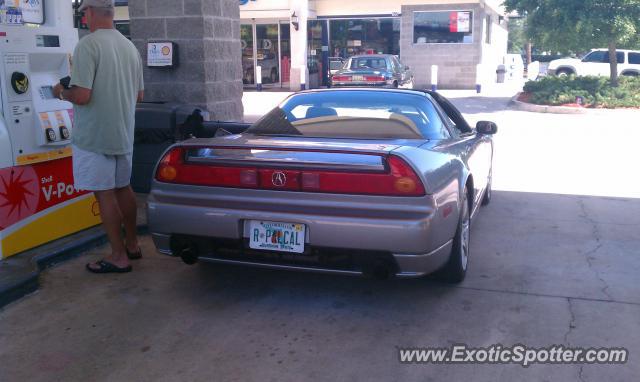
(19, 194)
(166, 51)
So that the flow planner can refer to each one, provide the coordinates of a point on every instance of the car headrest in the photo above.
(315, 112)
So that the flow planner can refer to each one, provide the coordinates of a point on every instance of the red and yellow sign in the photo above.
(38, 203)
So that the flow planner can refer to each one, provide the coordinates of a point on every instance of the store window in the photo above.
(314, 52)
(364, 36)
(443, 27)
(246, 45)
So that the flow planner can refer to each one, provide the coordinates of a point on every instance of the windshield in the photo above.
(368, 63)
(335, 64)
(354, 114)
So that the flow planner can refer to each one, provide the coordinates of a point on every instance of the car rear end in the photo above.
(296, 203)
(365, 71)
(362, 78)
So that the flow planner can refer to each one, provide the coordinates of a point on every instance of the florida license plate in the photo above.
(276, 236)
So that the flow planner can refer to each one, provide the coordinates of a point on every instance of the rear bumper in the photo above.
(404, 265)
(363, 85)
(402, 234)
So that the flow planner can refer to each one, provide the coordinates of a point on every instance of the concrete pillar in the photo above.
(207, 33)
(299, 43)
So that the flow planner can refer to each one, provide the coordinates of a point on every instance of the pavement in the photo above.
(554, 260)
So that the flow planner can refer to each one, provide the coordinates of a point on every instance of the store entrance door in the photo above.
(266, 45)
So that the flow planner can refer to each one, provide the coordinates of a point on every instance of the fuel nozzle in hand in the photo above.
(65, 82)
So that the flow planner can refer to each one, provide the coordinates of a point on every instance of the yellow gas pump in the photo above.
(38, 202)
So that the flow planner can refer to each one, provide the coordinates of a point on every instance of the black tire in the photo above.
(486, 199)
(564, 72)
(395, 84)
(456, 268)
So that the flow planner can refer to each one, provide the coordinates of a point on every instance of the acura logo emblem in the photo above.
(278, 179)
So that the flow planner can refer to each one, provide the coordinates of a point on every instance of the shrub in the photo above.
(595, 91)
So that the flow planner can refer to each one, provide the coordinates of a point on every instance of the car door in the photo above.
(393, 70)
(401, 74)
(593, 64)
(476, 150)
(633, 62)
(625, 64)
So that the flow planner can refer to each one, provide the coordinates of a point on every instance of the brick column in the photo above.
(208, 36)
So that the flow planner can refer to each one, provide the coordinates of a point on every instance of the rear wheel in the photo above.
(456, 268)
(564, 72)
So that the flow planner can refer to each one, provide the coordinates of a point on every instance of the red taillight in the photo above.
(168, 167)
(398, 180)
(341, 78)
(374, 78)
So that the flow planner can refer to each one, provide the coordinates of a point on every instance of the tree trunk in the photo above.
(528, 50)
(613, 63)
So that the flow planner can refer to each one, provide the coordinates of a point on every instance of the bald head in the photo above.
(99, 18)
(103, 12)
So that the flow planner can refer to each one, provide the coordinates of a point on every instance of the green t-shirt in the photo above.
(110, 65)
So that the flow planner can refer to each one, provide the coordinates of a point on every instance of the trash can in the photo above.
(501, 72)
(157, 127)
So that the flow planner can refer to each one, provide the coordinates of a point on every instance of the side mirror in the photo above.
(486, 127)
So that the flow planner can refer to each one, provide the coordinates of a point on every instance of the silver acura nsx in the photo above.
(348, 181)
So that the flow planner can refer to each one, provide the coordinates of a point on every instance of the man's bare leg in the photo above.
(127, 203)
(112, 223)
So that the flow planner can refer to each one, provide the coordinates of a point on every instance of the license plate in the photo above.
(276, 236)
(357, 78)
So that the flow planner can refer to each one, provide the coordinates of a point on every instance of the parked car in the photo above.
(269, 66)
(346, 181)
(596, 63)
(380, 70)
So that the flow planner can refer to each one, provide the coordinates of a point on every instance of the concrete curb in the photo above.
(524, 106)
(26, 278)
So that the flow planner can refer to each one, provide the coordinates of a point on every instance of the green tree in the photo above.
(517, 36)
(574, 25)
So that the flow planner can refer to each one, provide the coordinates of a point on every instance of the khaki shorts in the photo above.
(99, 172)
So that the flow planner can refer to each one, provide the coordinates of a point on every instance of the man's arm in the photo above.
(76, 94)
(140, 96)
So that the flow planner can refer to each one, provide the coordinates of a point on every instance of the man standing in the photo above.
(106, 82)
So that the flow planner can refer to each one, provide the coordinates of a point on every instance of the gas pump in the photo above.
(38, 202)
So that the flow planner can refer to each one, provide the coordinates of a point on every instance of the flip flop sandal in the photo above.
(134, 255)
(107, 267)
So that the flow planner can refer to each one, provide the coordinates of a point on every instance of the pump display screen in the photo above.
(47, 92)
(47, 41)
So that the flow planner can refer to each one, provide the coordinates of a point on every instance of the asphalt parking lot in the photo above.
(555, 260)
